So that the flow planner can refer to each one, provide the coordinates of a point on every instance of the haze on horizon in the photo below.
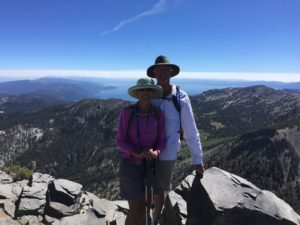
(8, 75)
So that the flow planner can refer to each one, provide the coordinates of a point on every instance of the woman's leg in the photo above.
(136, 212)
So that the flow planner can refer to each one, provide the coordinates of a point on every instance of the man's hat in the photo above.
(144, 83)
(163, 61)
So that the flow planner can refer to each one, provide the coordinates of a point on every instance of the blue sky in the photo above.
(233, 39)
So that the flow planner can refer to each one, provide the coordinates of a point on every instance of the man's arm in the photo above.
(191, 133)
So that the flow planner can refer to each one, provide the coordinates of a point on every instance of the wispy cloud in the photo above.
(157, 8)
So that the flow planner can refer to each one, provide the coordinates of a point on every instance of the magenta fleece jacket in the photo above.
(151, 130)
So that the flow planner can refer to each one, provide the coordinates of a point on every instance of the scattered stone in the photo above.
(5, 178)
(88, 218)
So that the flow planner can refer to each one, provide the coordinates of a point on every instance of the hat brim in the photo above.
(175, 68)
(132, 91)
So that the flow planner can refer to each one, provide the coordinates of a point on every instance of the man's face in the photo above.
(162, 74)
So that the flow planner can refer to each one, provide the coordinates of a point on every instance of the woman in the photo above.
(141, 137)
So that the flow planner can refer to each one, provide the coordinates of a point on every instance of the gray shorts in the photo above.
(166, 168)
(132, 178)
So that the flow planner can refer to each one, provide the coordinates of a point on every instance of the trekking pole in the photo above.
(152, 191)
(146, 204)
(146, 191)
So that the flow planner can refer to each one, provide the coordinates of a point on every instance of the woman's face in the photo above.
(145, 94)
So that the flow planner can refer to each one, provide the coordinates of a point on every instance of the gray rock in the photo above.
(41, 178)
(67, 187)
(32, 206)
(119, 219)
(114, 211)
(102, 206)
(12, 190)
(122, 206)
(64, 198)
(83, 202)
(175, 210)
(7, 220)
(10, 207)
(5, 178)
(48, 219)
(37, 190)
(221, 198)
(30, 220)
(60, 210)
(87, 218)
(33, 200)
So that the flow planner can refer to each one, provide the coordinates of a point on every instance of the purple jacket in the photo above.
(151, 129)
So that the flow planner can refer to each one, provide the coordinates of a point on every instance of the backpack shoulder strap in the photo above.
(132, 114)
(176, 102)
(175, 99)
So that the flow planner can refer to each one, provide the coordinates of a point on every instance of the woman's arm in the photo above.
(122, 137)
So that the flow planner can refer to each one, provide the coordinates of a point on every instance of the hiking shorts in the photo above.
(166, 168)
(132, 179)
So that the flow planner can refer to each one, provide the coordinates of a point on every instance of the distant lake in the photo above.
(191, 86)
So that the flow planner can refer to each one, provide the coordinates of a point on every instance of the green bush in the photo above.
(17, 172)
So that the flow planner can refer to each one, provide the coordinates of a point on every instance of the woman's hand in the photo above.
(151, 154)
(138, 154)
(148, 154)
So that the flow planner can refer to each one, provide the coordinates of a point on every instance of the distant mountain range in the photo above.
(250, 131)
(74, 89)
(55, 88)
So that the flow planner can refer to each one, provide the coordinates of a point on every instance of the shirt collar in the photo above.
(173, 91)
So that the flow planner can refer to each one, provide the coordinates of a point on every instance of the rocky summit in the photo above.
(220, 198)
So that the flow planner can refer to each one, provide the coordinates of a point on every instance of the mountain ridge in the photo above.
(76, 140)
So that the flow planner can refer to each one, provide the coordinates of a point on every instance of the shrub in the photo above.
(17, 172)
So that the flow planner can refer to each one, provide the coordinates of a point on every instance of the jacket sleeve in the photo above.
(162, 137)
(122, 137)
(190, 131)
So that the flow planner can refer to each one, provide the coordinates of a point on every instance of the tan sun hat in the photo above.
(163, 61)
(143, 83)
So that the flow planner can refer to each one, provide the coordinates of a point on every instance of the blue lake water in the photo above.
(191, 86)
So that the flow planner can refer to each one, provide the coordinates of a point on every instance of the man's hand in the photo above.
(199, 168)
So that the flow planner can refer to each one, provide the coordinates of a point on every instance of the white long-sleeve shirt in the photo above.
(172, 123)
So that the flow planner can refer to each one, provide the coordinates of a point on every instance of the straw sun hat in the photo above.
(163, 61)
(143, 83)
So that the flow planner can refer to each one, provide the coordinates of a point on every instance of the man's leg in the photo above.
(166, 168)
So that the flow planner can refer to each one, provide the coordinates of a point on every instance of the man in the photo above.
(179, 117)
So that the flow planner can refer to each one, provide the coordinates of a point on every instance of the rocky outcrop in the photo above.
(46, 200)
(222, 198)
